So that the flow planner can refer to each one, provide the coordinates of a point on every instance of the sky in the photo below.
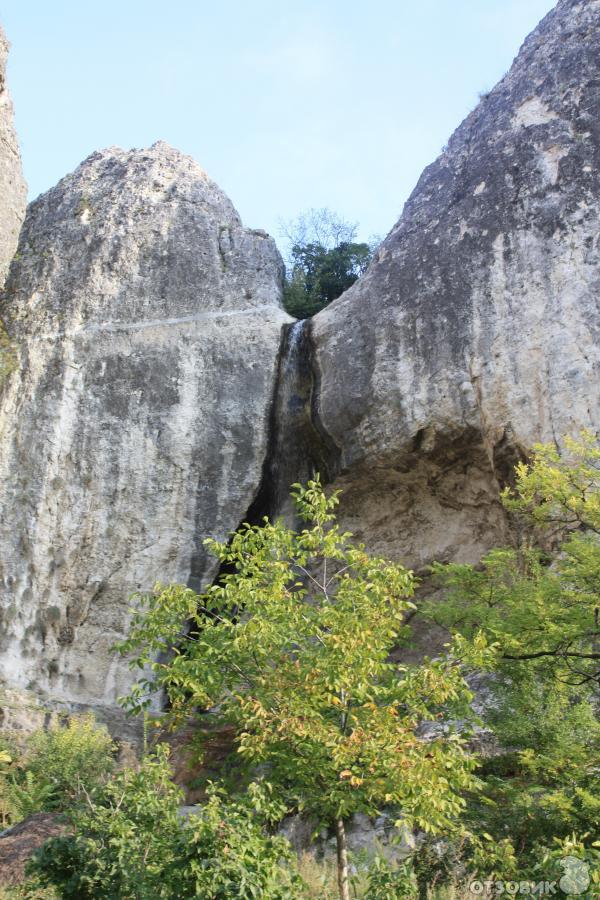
(287, 105)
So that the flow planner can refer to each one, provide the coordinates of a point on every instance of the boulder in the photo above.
(19, 843)
(148, 322)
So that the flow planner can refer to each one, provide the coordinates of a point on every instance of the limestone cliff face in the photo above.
(148, 323)
(13, 190)
(476, 330)
(152, 405)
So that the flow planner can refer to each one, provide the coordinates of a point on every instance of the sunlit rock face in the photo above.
(475, 331)
(13, 190)
(159, 399)
(148, 326)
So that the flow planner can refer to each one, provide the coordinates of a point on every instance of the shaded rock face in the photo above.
(19, 843)
(148, 323)
(13, 190)
(475, 332)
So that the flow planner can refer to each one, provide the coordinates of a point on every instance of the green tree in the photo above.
(538, 608)
(324, 260)
(295, 654)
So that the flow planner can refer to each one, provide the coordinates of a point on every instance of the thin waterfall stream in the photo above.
(298, 448)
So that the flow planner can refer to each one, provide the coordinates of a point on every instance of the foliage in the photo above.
(389, 882)
(27, 891)
(319, 276)
(71, 757)
(560, 489)
(8, 808)
(539, 611)
(292, 649)
(243, 861)
(543, 787)
(130, 842)
(319, 877)
(30, 794)
(56, 765)
(558, 862)
(324, 260)
(540, 614)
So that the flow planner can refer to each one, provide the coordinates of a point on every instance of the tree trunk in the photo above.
(342, 860)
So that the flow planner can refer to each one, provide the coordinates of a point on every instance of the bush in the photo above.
(57, 765)
(130, 842)
(323, 260)
(71, 758)
(319, 276)
(388, 882)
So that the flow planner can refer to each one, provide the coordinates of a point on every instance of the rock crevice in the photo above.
(299, 447)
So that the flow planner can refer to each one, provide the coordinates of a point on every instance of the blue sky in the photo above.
(288, 106)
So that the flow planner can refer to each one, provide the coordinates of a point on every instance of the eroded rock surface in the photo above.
(13, 190)
(148, 323)
(476, 330)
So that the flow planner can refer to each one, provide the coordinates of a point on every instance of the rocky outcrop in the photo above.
(13, 190)
(155, 402)
(148, 325)
(476, 330)
(19, 843)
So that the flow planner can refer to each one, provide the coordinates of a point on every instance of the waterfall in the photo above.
(298, 448)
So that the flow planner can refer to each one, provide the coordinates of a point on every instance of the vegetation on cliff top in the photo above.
(323, 260)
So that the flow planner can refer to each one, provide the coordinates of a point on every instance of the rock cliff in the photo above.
(148, 324)
(160, 396)
(475, 332)
(13, 191)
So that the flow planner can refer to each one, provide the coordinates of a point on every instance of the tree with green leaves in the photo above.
(539, 614)
(324, 260)
(537, 605)
(294, 653)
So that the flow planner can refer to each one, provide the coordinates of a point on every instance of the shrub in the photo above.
(130, 842)
(305, 676)
(323, 261)
(70, 758)
(57, 765)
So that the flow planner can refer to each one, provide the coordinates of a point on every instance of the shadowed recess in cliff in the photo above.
(299, 448)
